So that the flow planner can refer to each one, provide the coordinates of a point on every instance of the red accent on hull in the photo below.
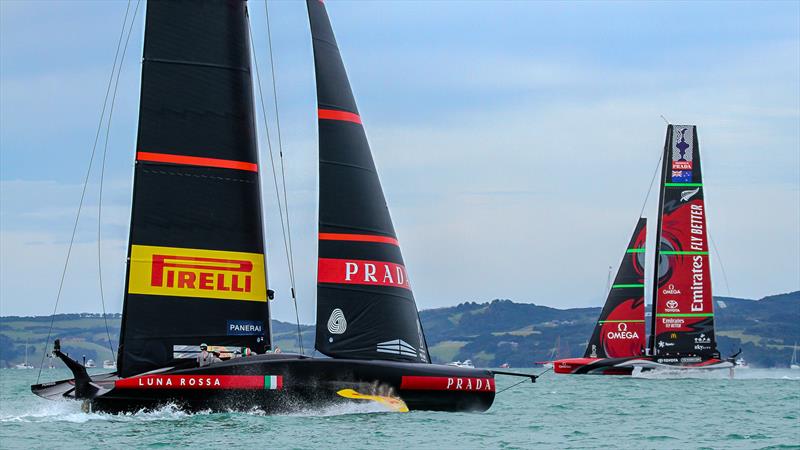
(194, 382)
(414, 383)
(196, 161)
(707, 362)
(570, 365)
(574, 366)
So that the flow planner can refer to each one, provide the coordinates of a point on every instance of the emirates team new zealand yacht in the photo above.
(682, 325)
(196, 269)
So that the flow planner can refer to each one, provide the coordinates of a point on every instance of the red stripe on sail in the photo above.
(356, 271)
(358, 238)
(332, 114)
(192, 382)
(196, 161)
(415, 383)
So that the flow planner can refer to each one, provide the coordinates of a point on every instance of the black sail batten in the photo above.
(365, 307)
(196, 268)
(683, 309)
(620, 329)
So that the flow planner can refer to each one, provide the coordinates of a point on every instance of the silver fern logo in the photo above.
(337, 324)
(686, 195)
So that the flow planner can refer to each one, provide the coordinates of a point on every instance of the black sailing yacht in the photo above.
(682, 327)
(196, 267)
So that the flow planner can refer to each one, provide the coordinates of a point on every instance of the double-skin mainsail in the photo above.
(683, 308)
(620, 330)
(196, 270)
(365, 307)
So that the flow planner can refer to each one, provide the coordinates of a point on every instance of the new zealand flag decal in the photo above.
(245, 328)
(681, 176)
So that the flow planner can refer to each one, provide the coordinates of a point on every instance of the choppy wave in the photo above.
(738, 374)
(70, 411)
(555, 412)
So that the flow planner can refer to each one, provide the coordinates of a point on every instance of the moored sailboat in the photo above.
(196, 267)
(25, 364)
(682, 327)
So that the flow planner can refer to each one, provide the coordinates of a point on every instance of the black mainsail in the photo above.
(365, 307)
(620, 330)
(196, 270)
(683, 310)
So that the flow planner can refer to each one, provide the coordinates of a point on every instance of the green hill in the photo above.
(488, 333)
(522, 333)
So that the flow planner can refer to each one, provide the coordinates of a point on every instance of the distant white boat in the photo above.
(24, 365)
(554, 354)
(793, 364)
(109, 364)
(741, 364)
(465, 363)
(90, 363)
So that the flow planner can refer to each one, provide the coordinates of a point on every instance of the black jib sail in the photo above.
(620, 330)
(683, 310)
(196, 269)
(365, 307)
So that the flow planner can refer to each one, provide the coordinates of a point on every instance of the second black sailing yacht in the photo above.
(196, 268)
(682, 325)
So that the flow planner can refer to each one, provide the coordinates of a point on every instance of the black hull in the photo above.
(305, 383)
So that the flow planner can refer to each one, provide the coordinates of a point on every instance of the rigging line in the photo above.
(721, 266)
(280, 139)
(102, 177)
(652, 181)
(713, 243)
(513, 385)
(83, 190)
(522, 381)
(274, 173)
(292, 278)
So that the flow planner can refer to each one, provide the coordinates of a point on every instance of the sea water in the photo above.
(759, 408)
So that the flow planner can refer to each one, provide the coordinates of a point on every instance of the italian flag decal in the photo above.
(273, 382)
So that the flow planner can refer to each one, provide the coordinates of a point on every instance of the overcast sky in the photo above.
(515, 141)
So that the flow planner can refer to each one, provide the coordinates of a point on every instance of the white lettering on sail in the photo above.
(350, 269)
(622, 332)
(369, 272)
(387, 275)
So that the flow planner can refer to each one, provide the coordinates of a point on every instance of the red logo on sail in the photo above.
(356, 271)
(201, 273)
(191, 272)
(681, 165)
